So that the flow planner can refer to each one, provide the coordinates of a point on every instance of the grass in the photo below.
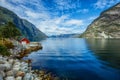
(4, 51)
(5, 45)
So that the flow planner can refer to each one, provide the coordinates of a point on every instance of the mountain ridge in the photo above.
(107, 25)
(27, 29)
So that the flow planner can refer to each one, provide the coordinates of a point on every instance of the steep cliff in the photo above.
(107, 25)
(27, 29)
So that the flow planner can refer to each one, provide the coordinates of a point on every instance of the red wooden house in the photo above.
(24, 41)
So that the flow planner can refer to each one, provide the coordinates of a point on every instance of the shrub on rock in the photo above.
(4, 51)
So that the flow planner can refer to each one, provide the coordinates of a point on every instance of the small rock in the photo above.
(16, 67)
(28, 76)
(5, 58)
(18, 78)
(7, 65)
(2, 73)
(20, 73)
(1, 77)
(10, 73)
(24, 68)
(24, 64)
(10, 78)
(17, 63)
(10, 61)
(2, 61)
(37, 79)
(42, 73)
(15, 72)
(2, 67)
(40, 78)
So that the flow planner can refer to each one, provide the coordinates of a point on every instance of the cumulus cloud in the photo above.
(67, 4)
(74, 22)
(36, 15)
(61, 25)
(41, 17)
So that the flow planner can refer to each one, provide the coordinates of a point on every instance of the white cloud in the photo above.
(60, 25)
(67, 4)
(36, 15)
(83, 11)
(100, 4)
(74, 22)
(42, 18)
(19, 1)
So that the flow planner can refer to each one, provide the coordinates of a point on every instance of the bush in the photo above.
(8, 44)
(4, 51)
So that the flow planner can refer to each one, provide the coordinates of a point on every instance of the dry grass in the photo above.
(7, 43)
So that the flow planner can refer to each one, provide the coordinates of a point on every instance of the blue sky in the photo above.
(55, 17)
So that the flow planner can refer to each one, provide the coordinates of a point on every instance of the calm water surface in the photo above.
(79, 59)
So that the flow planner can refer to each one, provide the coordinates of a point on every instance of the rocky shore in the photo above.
(14, 68)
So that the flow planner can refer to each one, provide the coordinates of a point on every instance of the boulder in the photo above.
(2, 67)
(7, 65)
(37, 79)
(16, 62)
(1, 60)
(10, 78)
(10, 73)
(24, 64)
(10, 61)
(1, 77)
(20, 74)
(24, 68)
(42, 73)
(18, 78)
(28, 76)
(16, 67)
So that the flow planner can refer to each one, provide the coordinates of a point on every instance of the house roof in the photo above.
(25, 40)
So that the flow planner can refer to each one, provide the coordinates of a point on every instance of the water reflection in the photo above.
(107, 50)
(74, 59)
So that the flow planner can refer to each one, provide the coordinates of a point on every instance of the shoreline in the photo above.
(14, 68)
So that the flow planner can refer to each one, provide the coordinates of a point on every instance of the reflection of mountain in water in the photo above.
(64, 36)
(107, 50)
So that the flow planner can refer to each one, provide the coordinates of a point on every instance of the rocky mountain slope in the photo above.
(107, 25)
(27, 29)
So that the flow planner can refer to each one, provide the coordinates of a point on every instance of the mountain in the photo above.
(64, 36)
(27, 29)
(107, 25)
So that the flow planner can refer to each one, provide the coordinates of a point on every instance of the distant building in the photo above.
(25, 42)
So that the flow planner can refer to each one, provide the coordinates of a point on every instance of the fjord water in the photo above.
(79, 59)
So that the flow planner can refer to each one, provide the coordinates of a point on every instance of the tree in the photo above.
(4, 51)
(10, 31)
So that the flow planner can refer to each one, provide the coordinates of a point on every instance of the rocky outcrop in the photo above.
(15, 69)
(27, 29)
(107, 25)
